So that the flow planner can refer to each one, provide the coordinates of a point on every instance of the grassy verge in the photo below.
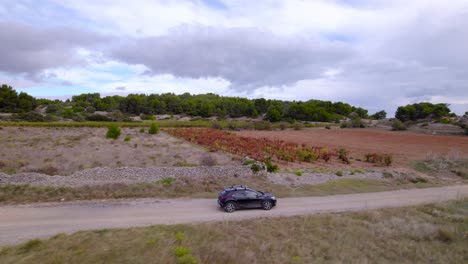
(206, 187)
(425, 234)
(458, 167)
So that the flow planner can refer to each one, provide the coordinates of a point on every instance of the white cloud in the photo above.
(375, 54)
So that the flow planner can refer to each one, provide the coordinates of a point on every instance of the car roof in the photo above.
(237, 188)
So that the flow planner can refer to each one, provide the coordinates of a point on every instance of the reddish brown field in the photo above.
(404, 146)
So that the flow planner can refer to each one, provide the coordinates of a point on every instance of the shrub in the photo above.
(147, 117)
(327, 127)
(325, 155)
(53, 108)
(49, 170)
(31, 117)
(154, 129)
(187, 259)
(29, 245)
(208, 160)
(379, 159)
(67, 113)
(270, 166)
(343, 155)
(167, 181)
(142, 130)
(216, 125)
(127, 138)
(113, 131)
(90, 110)
(298, 173)
(298, 126)
(283, 126)
(256, 167)
(444, 235)
(262, 125)
(339, 173)
(397, 125)
(466, 131)
(98, 118)
(418, 179)
(181, 251)
(179, 237)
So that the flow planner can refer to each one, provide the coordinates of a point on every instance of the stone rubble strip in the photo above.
(133, 175)
(124, 175)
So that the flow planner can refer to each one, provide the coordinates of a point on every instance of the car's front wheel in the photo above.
(267, 205)
(229, 207)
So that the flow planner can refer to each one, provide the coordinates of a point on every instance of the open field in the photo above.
(423, 234)
(66, 150)
(404, 146)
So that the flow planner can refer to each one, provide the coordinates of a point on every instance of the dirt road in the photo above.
(24, 222)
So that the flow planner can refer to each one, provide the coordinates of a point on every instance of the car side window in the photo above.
(238, 194)
(251, 194)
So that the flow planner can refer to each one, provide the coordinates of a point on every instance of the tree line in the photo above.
(204, 105)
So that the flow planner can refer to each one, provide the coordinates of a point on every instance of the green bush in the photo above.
(256, 167)
(142, 130)
(147, 117)
(270, 166)
(298, 173)
(181, 251)
(343, 155)
(298, 126)
(67, 113)
(29, 245)
(262, 125)
(127, 138)
(30, 117)
(154, 129)
(397, 125)
(113, 131)
(339, 173)
(167, 181)
(187, 259)
(216, 125)
(98, 118)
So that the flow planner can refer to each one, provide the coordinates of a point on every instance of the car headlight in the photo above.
(273, 198)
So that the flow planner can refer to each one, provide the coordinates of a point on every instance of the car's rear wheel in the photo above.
(267, 205)
(229, 207)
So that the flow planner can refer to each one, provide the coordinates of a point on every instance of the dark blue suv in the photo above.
(238, 197)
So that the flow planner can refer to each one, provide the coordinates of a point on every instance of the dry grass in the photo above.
(203, 187)
(64, 151)
(426, 234)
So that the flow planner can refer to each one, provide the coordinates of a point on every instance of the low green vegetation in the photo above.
(442, 165)
(154, 129)
(397, 125)
(113, 131)
(424, 234)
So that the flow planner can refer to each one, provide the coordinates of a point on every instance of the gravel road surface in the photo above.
(23, 222)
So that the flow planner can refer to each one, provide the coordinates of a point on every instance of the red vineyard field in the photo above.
(256, 148)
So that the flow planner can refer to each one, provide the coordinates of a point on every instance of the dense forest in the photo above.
(204, 105)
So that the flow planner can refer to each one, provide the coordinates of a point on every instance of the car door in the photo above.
(253, 199)
(240, 198)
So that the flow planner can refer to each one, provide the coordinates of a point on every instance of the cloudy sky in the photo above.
(376, 54)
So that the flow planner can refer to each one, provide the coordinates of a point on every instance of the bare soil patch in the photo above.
(404, 146)
(66, 150)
